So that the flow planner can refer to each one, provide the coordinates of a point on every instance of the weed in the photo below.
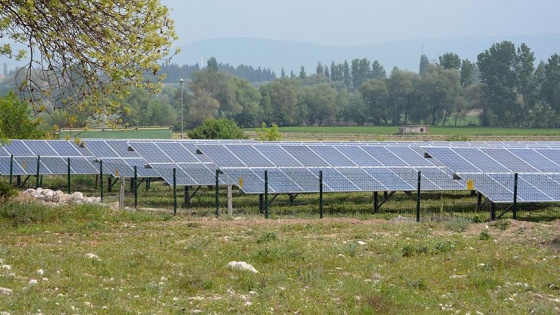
(413, 250)
(502, 224)
(484, 236)
(267, 237)
(458, 224)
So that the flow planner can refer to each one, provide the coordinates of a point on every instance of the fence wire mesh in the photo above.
(428, 194)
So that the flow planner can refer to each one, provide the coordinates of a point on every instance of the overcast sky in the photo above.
(351, 22)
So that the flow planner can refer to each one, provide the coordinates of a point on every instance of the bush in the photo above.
(7, 191)
(459, 224)
(217, 129)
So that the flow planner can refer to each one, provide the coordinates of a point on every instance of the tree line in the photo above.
(503, 87)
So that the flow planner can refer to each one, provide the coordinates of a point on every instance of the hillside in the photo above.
(291, 56)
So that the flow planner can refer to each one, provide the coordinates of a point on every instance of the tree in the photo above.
(268, 134)
(15, 120)
(424, 63)
(302, 74)
(377, 71)
(401, 94)
(85, 49)
(375, 95)
(468, 73)
(217, 129)
(551, 83)
(450, 61)
(321, 103)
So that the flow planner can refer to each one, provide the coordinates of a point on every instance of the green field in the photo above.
(434, 130)
(141, 133)
(94, 260)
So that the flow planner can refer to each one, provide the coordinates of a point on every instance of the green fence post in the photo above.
(135, 183)
(101, 178)
(266, 194)
(38, 171)
(217, 193)
(11, 168)
(321, 194)
(69, 187)
(174, 191)
(418, 197)
(514, 207)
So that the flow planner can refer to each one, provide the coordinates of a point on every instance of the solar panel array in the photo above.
(293, 167)
(492, 170)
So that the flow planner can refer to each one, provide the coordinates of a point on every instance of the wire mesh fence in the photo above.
(429, 194)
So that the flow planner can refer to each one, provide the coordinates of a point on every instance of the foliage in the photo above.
(80, 51)
(217, 129)
(15, 120)
(458, 224)
(6, 191)
(268, 134)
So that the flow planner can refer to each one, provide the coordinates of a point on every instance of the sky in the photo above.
(355, 22)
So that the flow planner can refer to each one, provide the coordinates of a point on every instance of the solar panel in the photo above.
(121, 148)
(5, 167)
(81, 165)
(537, 160)
(250, 156)
(359, 156)
(181, 178)
(277, 155)
(360, 178)
(509, 160)
(177, 152)
(55, 165)
(389, 179)
(306, 179)
(100, 149)
(141, 168)
(151, 152)
(410, 156)
(450, 158)
(335, 181)
(40, 147)
(64, 148)
(204, 174)
(18, 148)
(384, 156)
(117, 168)
(306, 156)
(29, 165)
(220, 155)
(3, 151)
(332, 156)
(252, 183)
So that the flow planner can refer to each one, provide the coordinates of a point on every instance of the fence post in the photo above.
(101, 178)
(418, 197)
(266, 194)
(38, 171)
(11, 168)
(174, 191)
(135, 183)
(514, 207)
(321, 194)
(69, 188)
(217, 193)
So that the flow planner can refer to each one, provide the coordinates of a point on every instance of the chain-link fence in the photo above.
(428, 194)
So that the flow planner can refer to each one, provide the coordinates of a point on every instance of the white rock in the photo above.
(92, 256)
(457, 276)
(40, 272)
(77, 196)
(33, 282)
(361, 243)
(6, 267)
(39, 190)
(241, 265)
(6, 291)
(29, 191)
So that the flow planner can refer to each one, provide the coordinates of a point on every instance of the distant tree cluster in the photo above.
(175, 72)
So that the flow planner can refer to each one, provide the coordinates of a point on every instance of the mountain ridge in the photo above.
(405, 54)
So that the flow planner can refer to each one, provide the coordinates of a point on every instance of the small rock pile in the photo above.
(59, 197)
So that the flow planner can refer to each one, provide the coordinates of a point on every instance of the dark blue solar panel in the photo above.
(5, 167)
(384, 156)
(141, 169)
(452, 159)
(277, 155)
(117, 168)
(29, 165)
(100, 149)
(390, 180)
(65, 148)
(55, 165)
(551, 154)
(81, 165)
(3, 151)
(410, 156)
(547, 184)
(493, 190)
(509, 160)
(336, 181)
(363, 180)
(537, 160)
(305, 179)
(121, 147)
(221, 156)
(305, 156)
(18, 148)
(40, 147)
(204, 174)
(151, 152)
(181, 178)
(279, 182)
(252, 183)
(332, 156)
(481, 160)
(359, 156)
(250, 156)
(177, 152)
(192, 148)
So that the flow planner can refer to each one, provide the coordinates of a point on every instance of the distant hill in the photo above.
(291, 56)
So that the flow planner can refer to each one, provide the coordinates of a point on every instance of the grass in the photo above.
(132, 133)
(158, 264)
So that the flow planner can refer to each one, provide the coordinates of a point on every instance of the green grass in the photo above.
(153, 263)
(132, 133)
(434, 130)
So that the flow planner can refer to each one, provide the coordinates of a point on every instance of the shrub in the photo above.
(459, 224)
(217, 129)
(7, 191)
